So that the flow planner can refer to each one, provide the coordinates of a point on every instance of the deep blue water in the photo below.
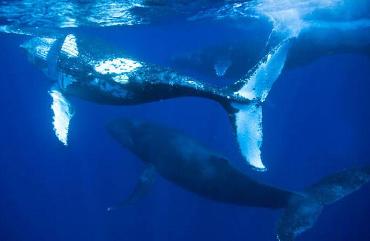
(316, 121)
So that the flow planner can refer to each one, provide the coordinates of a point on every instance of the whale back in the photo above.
(190, 165)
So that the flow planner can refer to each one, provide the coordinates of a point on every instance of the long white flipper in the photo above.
(259, 82)
(255, 87)
(248, 124)
(62, 115)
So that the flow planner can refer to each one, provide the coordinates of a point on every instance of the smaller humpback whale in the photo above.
(317, 28)
(83, 68)
(183, 161)
(312, 44)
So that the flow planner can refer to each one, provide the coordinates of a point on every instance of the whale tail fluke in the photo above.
(303, 210)
(247, 116)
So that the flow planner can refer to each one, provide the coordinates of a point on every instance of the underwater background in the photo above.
(316, 121)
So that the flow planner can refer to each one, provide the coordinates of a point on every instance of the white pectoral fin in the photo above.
(248, 124)
(266, 72)
(63, 114)
(255, 87)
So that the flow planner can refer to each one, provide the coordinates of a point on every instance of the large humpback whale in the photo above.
(185, 162)
(80, 67)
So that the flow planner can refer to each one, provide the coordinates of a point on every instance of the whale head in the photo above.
(124, 131)
(45, 52)
(38, 49)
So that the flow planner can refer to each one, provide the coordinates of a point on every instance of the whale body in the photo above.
(89, 70)
(191, 166)
(80, 68)
(319, 28)
(311, 45)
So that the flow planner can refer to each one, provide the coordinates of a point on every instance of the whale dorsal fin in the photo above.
(142, 187)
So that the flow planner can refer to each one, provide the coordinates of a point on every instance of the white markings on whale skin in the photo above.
(110, 88)
(196, 85)
(62, 115)
(221, 67)
(65, 80)
(121, 79)
(39, 47)
(69, 46)
(117, 66)
(42, 50)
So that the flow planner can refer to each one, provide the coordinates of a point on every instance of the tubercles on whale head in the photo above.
(38, 49)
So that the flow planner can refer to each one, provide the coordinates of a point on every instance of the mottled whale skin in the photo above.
(92, 71)
(190, 165)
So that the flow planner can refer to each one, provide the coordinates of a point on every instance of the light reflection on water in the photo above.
(76, 13)
(69, 13)
(64, 13)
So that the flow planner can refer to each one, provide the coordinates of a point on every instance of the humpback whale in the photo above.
(191, 166)
(237, 56)
(80, 67)
(319, 28)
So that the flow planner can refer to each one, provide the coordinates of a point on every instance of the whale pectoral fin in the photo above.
(255, 87)
(142, 187)
(63, 113)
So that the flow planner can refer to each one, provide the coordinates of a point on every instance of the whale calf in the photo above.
(319, 28)
(190, 165)
(311, 45)
(83, 68)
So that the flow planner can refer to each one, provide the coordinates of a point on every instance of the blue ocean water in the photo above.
(315, 123)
